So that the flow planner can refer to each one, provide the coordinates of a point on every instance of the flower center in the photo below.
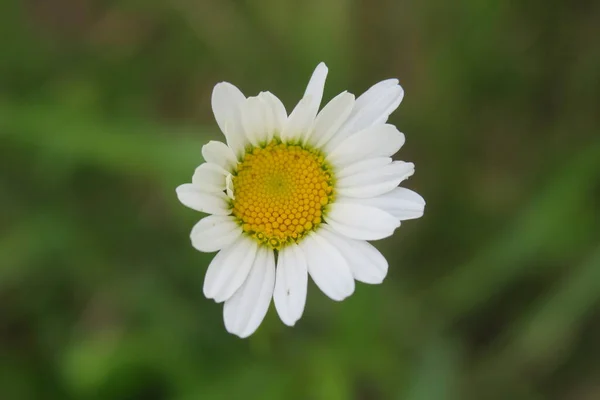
(280, 192)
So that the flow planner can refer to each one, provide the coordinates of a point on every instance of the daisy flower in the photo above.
(296, 195)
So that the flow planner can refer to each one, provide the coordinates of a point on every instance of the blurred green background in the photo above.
(493, 294)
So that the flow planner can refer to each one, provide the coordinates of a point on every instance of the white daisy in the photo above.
(297, 195)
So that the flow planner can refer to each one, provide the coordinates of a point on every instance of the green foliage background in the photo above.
(494, 294)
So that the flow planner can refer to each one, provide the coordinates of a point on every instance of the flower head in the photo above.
(297, 195)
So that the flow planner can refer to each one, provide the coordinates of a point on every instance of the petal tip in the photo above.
(322, 66)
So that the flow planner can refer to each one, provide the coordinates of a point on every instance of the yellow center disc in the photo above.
(280, 192)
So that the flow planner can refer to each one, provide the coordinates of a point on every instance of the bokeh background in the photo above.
(493, 294)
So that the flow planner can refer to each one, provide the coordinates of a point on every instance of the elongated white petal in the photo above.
(374, 93)
(329, 120)
(367, 264)
(291, 280)
(362, 222)
(303, 116)
(402, 203)
(315, 87)
(229, 269)
(327, 267)
(229, 186)
(361, 166)
(215, 232)
(277, 115)
(372, 108)
(210, 177)
(376, 181)
(220, 154)
(377, 141)
(226, 102)
(299, 121)
(197, 199)
(378, 102)
(257, 121)
(247, 308)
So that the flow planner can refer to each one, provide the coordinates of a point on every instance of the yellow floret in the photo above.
(280, 192)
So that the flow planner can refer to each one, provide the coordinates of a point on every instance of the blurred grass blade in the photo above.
(536, 230)
(545, 335)
(436, 376)
(128, 147)
(542, 338)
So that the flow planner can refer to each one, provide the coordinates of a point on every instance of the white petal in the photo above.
(377, 141)
(329, 120)
(246, 309)
(278, 114)
(327, 267)
(229, 269)
(291, 278)
(256, 119)
(379, 101)
(315, 87)
(220, 154)
(376, 181)
(361, 166)
(299, 122)
(371, 108)
(197, 199)
(215, 232)
(362, 222)
(210, 177)
(226, 102)
(303, 116)
(402, 203)
(367, 264)
(374, 93)
(229, 186)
